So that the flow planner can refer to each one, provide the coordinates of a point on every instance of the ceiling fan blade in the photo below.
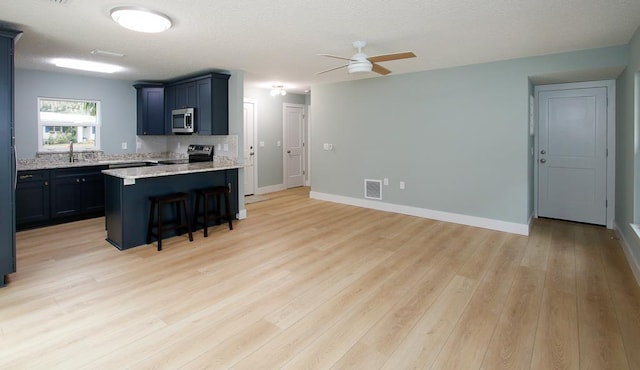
(388, 57)
(331, 69)
(334, 56)
(377, 68)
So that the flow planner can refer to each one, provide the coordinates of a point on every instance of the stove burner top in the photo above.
(200, 153)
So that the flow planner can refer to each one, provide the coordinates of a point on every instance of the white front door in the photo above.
(293, 145)
(572, 155)
(249, 148)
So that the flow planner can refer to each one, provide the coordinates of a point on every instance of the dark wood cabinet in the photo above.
(77, 192)
(7, 159)
(32, 198)
(150, 110)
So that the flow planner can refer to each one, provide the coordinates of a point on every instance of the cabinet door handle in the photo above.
(77, 180)
(83, 180)
(46, 183)
(24, 177)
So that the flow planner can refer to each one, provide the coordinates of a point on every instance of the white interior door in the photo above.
(294, 145)
(249, 147)
(572, 155)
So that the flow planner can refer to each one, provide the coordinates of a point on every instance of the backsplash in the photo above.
(225, 146)
(150, 147)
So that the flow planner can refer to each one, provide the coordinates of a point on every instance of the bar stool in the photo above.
(161, 226)
(206, 194)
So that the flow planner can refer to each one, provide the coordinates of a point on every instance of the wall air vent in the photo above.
(373, 189)
(62, 2)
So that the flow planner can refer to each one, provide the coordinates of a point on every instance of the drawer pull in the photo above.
(24, 177)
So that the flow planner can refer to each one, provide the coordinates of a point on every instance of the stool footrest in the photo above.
(205, 194)
(177, 199)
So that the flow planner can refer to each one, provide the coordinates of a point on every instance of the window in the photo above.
(63, 121)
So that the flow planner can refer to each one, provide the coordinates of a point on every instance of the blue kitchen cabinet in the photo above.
(32, 199)
(77, 193)
(7, 159)
(150, 110)
(212, 117)
(208, 94)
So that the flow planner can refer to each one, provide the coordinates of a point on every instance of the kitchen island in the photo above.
(127, 193)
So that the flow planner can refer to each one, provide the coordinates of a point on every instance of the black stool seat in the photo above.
(218, 192)
(162, 226)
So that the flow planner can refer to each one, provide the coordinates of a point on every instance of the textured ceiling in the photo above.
(277, 41)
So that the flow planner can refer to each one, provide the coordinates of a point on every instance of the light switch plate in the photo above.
(262, 144)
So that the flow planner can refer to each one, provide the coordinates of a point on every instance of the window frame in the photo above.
(41, 125)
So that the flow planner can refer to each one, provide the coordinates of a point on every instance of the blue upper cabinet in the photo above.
(208, 94)
(212, 117)
(150, 110)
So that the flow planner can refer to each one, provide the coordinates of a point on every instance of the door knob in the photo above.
(543, 160)
(289, 151)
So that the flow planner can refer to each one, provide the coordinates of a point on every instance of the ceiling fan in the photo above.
(360, 62)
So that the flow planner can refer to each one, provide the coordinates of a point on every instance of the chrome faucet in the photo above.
(71, 152)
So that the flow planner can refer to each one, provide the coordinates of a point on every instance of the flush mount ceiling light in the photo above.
(140, 19)
(278, 90)
(85, 65)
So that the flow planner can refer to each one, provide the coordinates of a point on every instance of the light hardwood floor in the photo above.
(305, 284)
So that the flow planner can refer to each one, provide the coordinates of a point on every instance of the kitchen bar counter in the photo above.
(135, 173)
(127, 193)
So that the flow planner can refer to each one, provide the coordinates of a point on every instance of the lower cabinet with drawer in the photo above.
(32, 198)
(47, 197)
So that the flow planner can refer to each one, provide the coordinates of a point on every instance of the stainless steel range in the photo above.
(196, 153)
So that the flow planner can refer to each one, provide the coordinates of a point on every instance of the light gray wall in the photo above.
(117, 102)
(627, 160)
(458, 137)
(270, 131)
(236, 123)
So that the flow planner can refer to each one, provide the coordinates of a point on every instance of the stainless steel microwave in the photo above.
(183, 120)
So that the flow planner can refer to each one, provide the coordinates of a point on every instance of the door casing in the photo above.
(285, 157)
(611, 133)
(253, 168)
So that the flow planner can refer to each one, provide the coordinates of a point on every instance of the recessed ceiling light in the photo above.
(86, 65)
(140, 19)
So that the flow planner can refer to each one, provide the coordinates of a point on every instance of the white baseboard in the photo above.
(626, 247)
(242, 214)
(270, 189)
(486, 223)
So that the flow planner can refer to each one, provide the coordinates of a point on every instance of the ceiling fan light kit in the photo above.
(278, 90)
(360, 63)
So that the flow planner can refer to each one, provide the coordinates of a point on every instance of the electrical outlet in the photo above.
(278, 143)
(401, 185)
(262, 144)
(124, 145)
(138, 145)
(386, 181)
(325, 146)
(330, 146)
(225, 147)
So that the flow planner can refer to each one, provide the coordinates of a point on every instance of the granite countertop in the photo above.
(169, 170)
(53, 165)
